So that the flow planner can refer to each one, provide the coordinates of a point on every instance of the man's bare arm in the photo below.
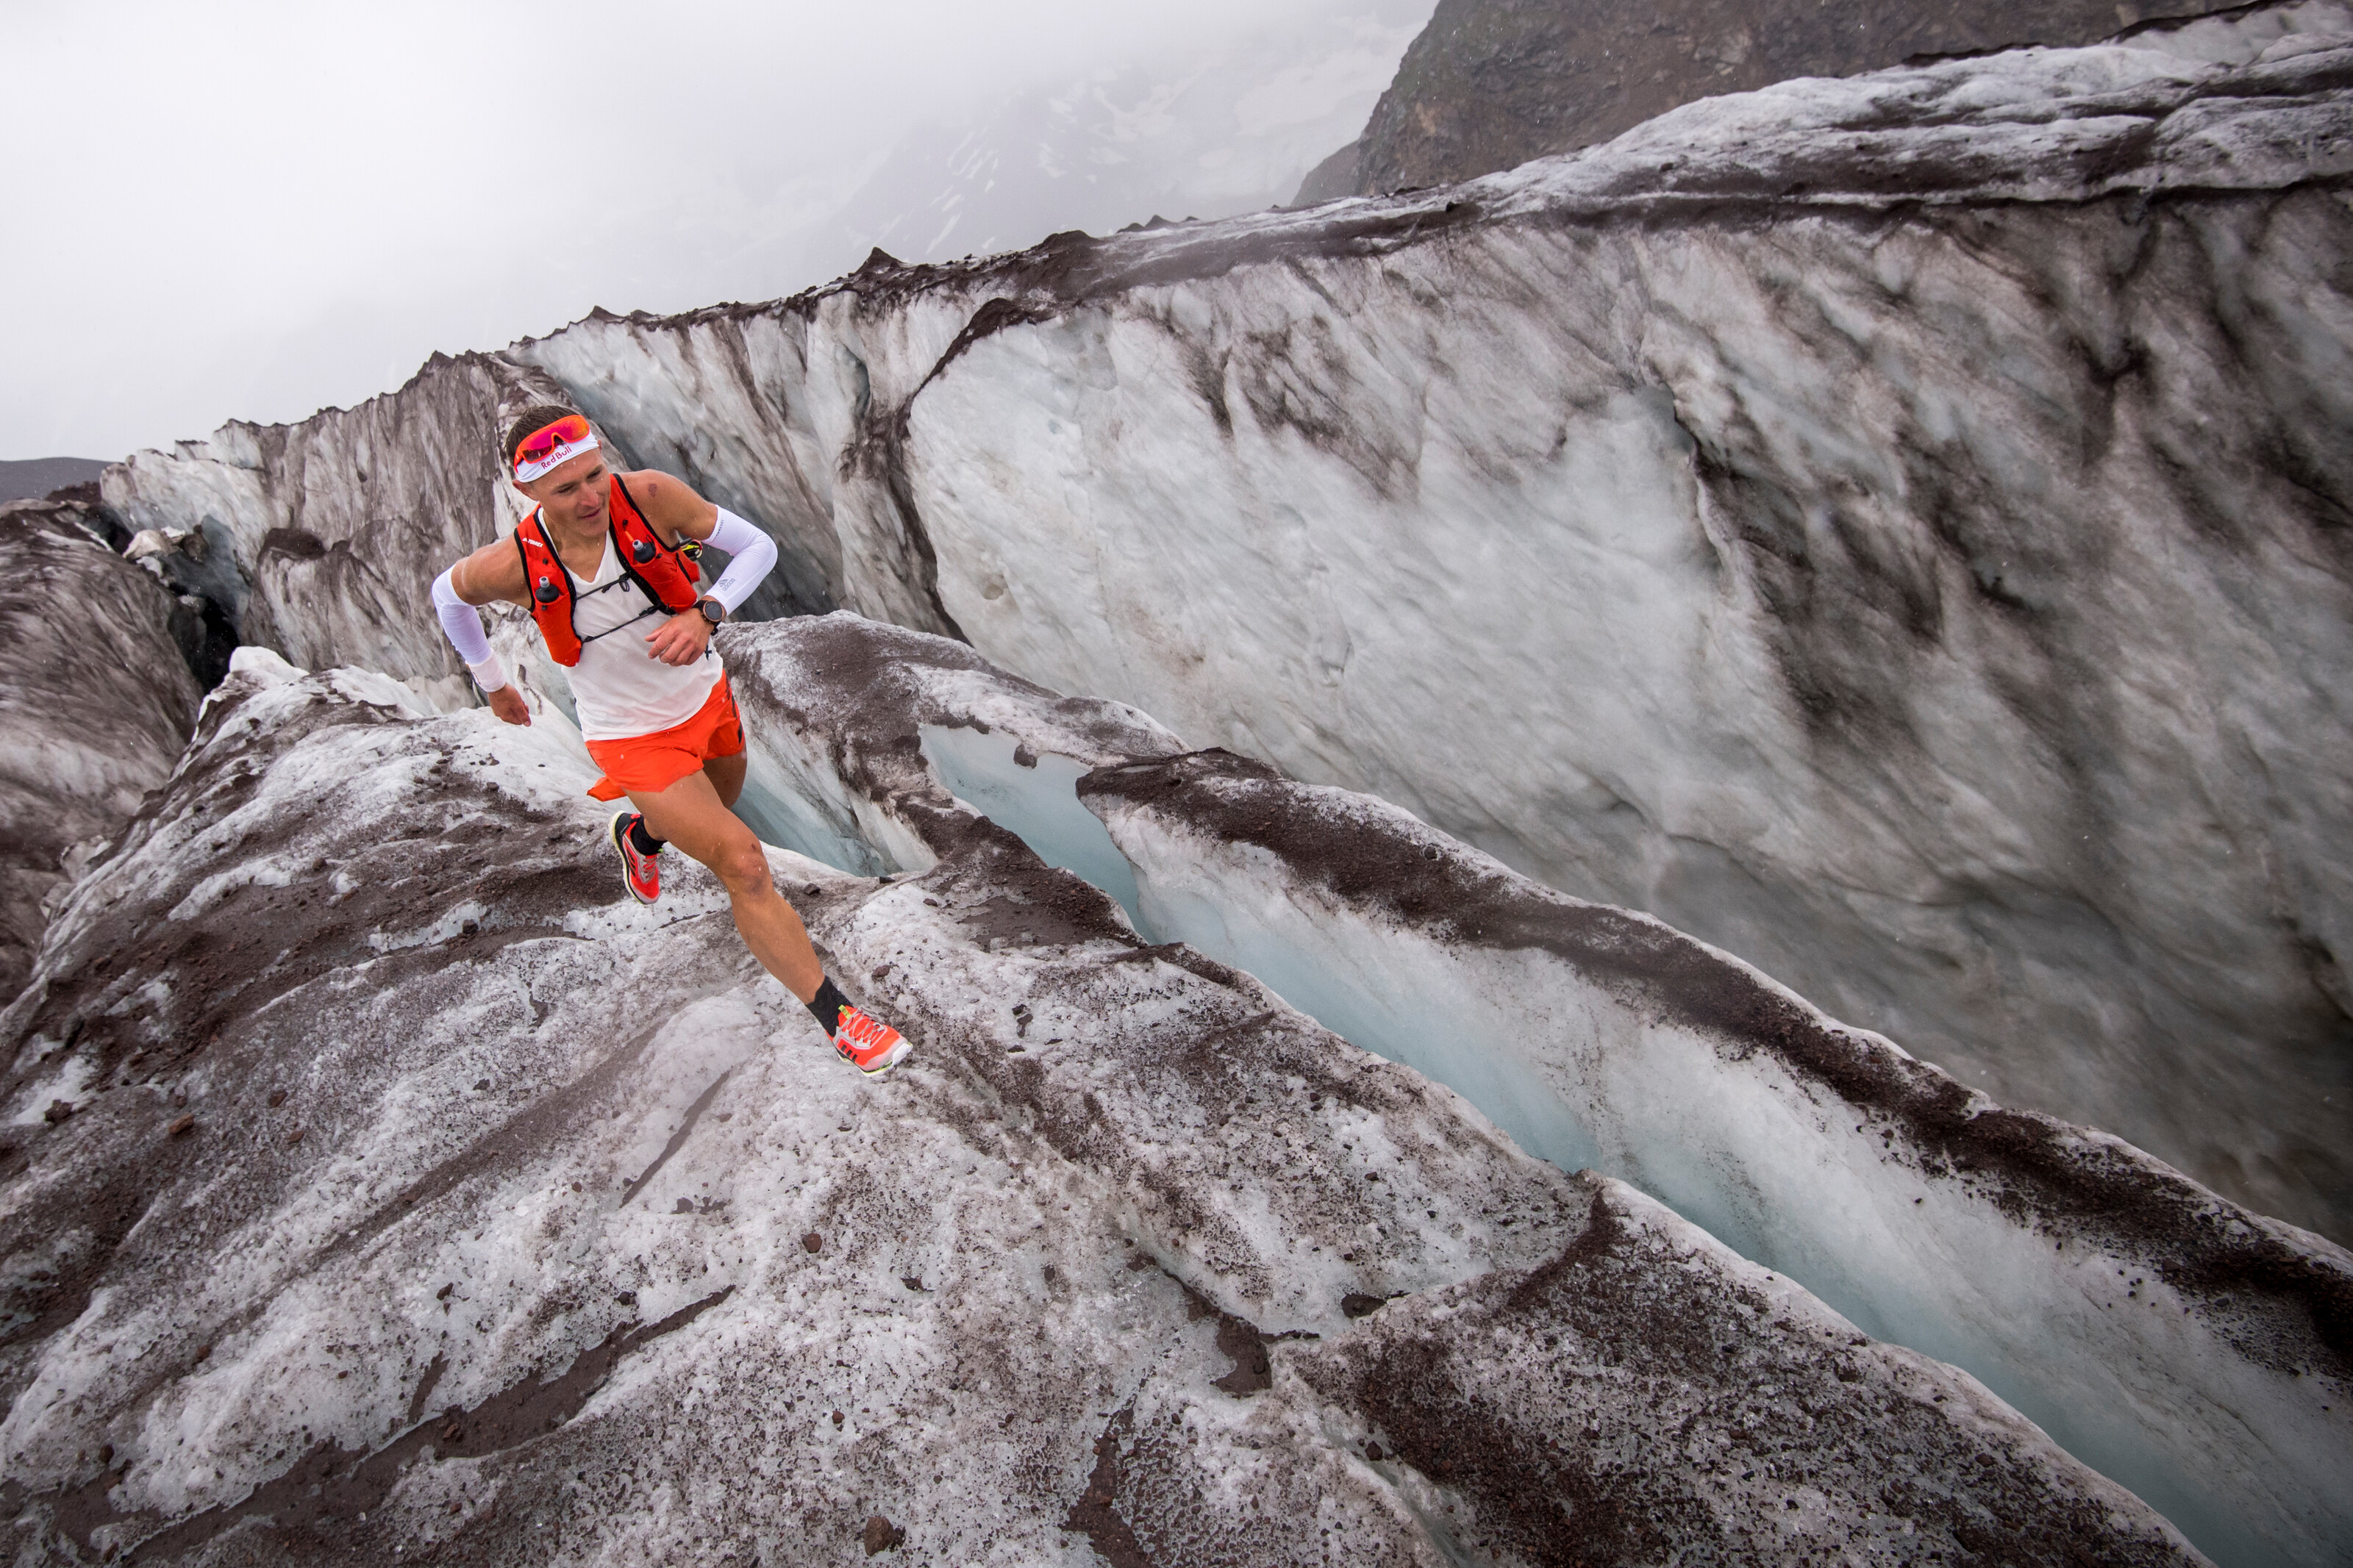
(493, 575)
(671, 505)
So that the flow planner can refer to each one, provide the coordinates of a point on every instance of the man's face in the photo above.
(575, 493)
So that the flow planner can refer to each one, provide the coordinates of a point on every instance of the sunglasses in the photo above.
(539, 444)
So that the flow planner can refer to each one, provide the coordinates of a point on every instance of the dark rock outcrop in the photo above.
(1334, 177)
(1489, 84)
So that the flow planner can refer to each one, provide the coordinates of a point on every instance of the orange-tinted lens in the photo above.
(563, 433)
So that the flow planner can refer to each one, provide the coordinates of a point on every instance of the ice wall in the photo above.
(319, 540)
(2128, 1312)
(95, 703)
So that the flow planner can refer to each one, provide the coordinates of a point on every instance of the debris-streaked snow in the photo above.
(551, 1239)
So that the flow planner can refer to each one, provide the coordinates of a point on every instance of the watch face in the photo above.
(711, 612)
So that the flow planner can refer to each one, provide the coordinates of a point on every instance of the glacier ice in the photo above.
(1498, 83)
(1999, 1241)
(1029, 795)
(558, 1236)
(2182, 1345)
(1885, 527)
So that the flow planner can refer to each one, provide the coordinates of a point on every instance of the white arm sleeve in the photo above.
(463, 625)
(753, 553)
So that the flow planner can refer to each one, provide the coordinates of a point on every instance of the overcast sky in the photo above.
(253, 210)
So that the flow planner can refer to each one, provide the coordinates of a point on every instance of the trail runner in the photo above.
(606, 565)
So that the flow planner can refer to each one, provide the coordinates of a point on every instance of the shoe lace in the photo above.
(858, 1029)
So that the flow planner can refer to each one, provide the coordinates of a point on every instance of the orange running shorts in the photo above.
(648, 764)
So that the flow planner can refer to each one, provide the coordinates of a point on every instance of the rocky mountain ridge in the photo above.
(1207, 132)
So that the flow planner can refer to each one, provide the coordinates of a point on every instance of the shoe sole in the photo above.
(613, 836)
(898, 1054)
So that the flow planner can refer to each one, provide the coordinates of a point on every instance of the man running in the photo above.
(606, 564)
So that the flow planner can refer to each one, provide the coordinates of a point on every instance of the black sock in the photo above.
(826, 1004)
(644, 841)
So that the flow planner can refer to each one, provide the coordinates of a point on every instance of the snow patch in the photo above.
(70, 1082)
(263, 666)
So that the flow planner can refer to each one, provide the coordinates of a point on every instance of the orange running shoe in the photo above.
(871, 1046)
(640, 872)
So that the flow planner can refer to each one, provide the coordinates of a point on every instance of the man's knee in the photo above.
(742, 864)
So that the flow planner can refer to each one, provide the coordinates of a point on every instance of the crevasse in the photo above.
(2239, 1455)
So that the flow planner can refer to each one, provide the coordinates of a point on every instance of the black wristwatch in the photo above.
(713, 610)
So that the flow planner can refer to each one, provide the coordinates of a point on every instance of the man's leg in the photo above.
(692, 815)
(726, 776)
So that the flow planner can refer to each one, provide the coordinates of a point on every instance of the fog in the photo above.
(254, 211)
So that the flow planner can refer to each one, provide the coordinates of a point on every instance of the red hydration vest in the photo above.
(665, 574)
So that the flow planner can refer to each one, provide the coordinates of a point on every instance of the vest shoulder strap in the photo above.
(551, 592)
(660, 571)
(625, 505)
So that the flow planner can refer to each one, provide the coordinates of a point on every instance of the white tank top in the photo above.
(621, 688)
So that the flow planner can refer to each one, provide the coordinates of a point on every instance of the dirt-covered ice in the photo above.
(2184, 1346)
(428, 1199)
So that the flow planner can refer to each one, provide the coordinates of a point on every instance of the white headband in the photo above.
(527, 472)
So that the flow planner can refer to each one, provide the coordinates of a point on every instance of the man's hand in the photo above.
(681, 638)
(508, 704)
